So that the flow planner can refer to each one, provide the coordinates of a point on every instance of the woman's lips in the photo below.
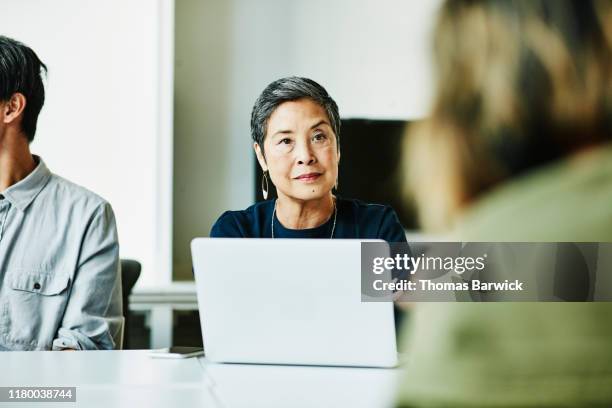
(308, 177)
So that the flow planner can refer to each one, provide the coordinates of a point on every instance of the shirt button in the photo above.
(36, 286)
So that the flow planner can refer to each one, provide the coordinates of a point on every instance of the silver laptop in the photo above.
(289, 301)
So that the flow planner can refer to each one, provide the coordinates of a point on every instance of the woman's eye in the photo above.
(319, 137)
(285, 141)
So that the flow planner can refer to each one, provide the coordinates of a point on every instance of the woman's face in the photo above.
(300, 150)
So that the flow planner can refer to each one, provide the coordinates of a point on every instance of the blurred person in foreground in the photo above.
(60, 285)
(517, 148)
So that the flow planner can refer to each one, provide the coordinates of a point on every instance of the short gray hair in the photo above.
(291, 89)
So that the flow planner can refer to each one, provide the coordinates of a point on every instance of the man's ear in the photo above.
(13, 108)
(260, 157)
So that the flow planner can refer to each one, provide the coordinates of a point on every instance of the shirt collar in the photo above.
(21, 194)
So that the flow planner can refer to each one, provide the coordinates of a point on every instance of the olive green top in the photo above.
(521, 354)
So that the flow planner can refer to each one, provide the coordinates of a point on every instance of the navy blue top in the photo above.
(355, 219)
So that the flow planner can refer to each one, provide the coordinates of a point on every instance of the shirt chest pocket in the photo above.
(33, 307)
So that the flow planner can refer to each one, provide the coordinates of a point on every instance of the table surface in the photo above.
(132, 378)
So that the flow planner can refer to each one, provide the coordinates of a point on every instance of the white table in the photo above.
(133, 379)
(108, 378)
(253, 386)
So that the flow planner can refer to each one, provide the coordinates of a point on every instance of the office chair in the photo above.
(130, 271)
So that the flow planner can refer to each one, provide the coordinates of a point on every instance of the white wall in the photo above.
(106, 123)
(372, 57)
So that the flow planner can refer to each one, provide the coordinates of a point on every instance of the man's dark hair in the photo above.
(291, 89)
(21, 72)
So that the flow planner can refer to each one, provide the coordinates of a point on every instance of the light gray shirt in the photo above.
(60, 281)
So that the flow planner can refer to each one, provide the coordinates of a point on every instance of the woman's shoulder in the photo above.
(243, 223)
(374, 221)
(363, 208)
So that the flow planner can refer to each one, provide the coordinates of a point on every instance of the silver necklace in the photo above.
(333, 226)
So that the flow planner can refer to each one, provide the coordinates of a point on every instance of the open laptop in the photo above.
(289, 301)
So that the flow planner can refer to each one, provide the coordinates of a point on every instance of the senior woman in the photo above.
(295, 127)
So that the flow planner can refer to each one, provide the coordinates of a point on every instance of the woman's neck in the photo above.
(296, 214)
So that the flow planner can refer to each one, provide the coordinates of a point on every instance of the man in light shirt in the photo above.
(60, 284)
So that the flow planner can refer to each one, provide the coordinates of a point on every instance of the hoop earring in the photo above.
(264, 181)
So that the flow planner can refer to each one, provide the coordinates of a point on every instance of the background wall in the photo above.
(371, 56)
(105, 124)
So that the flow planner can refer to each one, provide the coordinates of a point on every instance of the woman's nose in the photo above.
(304, 154)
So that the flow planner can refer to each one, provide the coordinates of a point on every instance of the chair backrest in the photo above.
(130, 271)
